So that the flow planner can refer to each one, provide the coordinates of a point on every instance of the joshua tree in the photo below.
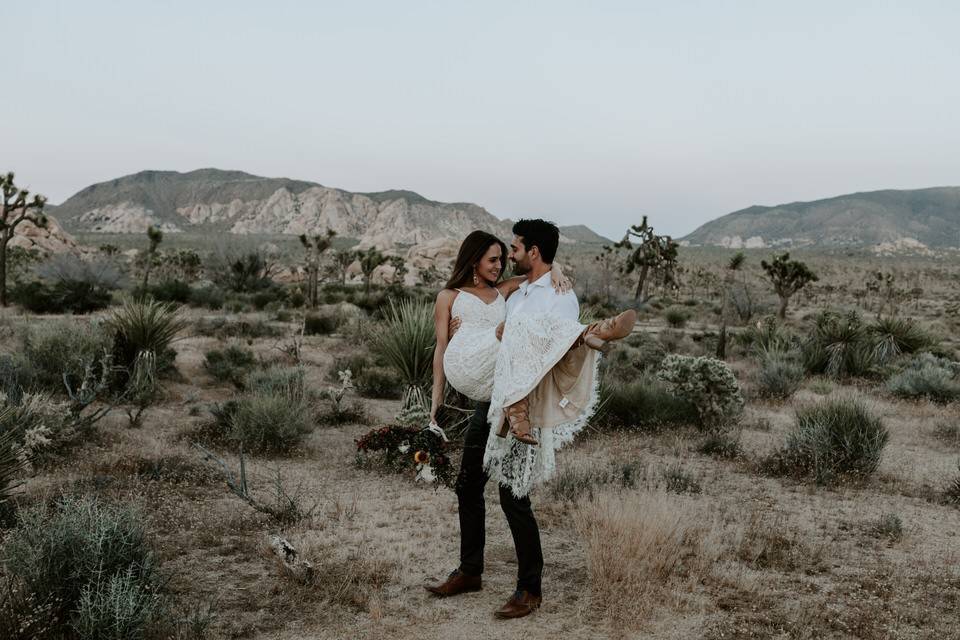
(651, 255)
(315, 247)
(733, 267)
(607, 259)
(788, 276)
(155, 237)
(369, 260)
(343, 259)
(399, 270)
(15, 209)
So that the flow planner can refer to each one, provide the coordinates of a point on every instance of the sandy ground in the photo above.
(777, 558)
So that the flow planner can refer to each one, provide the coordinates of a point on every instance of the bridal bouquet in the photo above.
(413, 451)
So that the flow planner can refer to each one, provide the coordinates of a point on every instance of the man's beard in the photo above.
(520, 269)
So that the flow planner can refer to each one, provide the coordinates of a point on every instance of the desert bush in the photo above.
(838, 346)
(231, 364)
(679, 480)
(778, 376)
(952, 492)
(316, 324)
(11, 465)
(273, 413)
(53, 351)
(708, 384)
(356, 363)
(271, 295)
(676, 316)
(888, 525)
(167, 291)
(636, 544)
(891, 337)
(573, 482)
(767, 336)
(840, 436)
(405, 340)
(379, 382)
(146, 326)
(721, 444)
(209, 296)
(927, 376)
(637, 353)
(340, 411)
(85, 570)
(69, 284)
(222, 328)
(642, 403)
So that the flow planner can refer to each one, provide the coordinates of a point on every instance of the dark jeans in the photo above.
(470, 484)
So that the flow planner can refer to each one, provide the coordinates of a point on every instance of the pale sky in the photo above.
(581, 112)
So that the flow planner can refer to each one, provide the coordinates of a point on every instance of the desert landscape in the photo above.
(212, 400)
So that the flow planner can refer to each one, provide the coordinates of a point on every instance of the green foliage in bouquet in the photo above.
(407, 450)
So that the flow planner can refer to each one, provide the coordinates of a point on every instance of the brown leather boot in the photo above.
(600, 334)
(456, 583)
(518, 414)
(520, 604)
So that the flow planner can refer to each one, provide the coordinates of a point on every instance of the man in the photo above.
(532, 252)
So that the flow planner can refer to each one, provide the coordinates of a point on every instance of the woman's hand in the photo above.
(561, 283)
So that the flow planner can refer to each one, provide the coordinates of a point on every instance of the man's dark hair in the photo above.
(541, 234)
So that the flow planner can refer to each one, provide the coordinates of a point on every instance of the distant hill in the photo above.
(236, 202)
(930, 217)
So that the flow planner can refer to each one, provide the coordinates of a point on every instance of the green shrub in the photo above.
(676, 316)
(573, 482)
(78, 298)
(356, 363)
(892, 337)
(778, 376)
(267, 423)
(236, 328)
(379, 382)
(87, 567)
(767, 336)
(952, 492)
(708, 384)
(167, 291)
(642, 403)
(231, 364)
(267, 296)
(406, 341)
(679, 480)
(839, 346)
(147, 326)
(11, 466)
(210, 296)
(834, 437)
(889, 525)
(273, 414)
(320, 324)
(927, 376)
(52, 350)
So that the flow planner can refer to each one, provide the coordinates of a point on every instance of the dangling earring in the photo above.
(476, 280)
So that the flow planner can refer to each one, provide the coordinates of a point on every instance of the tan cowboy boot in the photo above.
(518, 414)
(600, 334)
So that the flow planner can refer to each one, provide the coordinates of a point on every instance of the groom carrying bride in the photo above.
(544, 382)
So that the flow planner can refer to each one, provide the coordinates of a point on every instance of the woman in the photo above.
(476, 296)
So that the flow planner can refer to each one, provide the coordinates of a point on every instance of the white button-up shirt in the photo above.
(539, 296)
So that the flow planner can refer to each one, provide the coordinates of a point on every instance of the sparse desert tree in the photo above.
(650, 255)
(733, 267)
(343, 259)
(316, 247)
(16, 208)
(399, 270)
(608, 260)
(154, 237)
(787, 276)
(369, 261)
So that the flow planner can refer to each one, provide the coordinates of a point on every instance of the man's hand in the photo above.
(500, 332)
(453, 327)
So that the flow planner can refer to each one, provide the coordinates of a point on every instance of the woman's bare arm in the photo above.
(441, 321)
(506, 287)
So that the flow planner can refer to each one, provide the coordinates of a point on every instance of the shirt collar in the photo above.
(542, 281)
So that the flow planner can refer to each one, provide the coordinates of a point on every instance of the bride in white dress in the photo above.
(545, 373)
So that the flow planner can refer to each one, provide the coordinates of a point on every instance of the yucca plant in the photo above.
(891, 337)
(838, 346)
(144, 326)
(406, 340)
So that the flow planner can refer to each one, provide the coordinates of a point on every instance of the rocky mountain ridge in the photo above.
(918, 218)
(237, 202)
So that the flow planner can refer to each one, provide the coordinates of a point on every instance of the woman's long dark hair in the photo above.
(472, 250)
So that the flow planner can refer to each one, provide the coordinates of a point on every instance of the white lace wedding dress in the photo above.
(471, 355)
(535, 360)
